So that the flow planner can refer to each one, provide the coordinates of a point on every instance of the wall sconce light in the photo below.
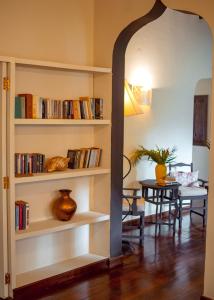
(135, 98)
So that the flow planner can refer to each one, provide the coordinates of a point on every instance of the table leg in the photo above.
(156, 214)
(175, 216)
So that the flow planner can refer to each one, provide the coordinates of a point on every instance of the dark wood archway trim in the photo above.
(118, 122)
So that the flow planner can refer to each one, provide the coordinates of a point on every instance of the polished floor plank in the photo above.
(165, 268)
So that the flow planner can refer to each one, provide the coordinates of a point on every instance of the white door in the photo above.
(3, 203)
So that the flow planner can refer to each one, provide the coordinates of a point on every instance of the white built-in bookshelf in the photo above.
(58, 268)
(50, 247)
(69, 173)
(60, 122)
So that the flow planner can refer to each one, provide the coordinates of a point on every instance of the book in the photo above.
(35, 107)
(76, 109)
(28, 105)
(28, 163)
(16, 216)
(35, 103)
(22, 215)
(84, 158)
(98, 108)
(71, 154)
(18, 107)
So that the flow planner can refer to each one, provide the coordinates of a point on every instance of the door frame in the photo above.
(3, 188)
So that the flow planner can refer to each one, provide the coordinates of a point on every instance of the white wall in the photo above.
(176, 49)
(200, 155)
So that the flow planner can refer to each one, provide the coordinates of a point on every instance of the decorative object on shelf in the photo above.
(57, 163)
(64, 207)
(159, 155)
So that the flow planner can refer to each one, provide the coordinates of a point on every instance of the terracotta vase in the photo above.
(160, 172)
(64, 207)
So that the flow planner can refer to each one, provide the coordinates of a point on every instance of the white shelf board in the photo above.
(69, 173)
(53, 225)
(59, 65)
(56, 269)
(60, 122)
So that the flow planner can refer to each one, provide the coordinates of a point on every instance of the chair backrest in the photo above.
(180, 165)
(129, 166)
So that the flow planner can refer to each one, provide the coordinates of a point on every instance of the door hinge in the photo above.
(6, 84)
(6, 182)
(7, 278)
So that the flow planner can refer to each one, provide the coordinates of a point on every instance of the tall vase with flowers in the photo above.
(161, 156)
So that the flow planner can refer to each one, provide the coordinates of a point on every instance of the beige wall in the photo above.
(111, 17)
(48, 29)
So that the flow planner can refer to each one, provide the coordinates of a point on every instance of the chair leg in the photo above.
(204, 212)
(160, 216)
(175, 217)
(170, 211)
(191, 211)
(180, 213)
(141, 230)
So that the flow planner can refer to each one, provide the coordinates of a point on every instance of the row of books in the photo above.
(29, 163)
(84, 158)
(21, 215)
(28, 106)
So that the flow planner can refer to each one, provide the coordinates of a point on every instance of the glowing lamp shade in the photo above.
(135, 98)
(142, 96)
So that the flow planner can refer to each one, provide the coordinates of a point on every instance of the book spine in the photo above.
(97, 108)
(76, 107)
(28, 105)
(16, 217)
(77, 159)
(34, 107)
(82, 112)
(101, 108)
(92, 104)
(18, 107)
(20, 217)
(23, 108)
(24, 216)
(40, 108)
(27, 222)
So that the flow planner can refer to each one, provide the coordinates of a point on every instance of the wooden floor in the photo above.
(164, 268)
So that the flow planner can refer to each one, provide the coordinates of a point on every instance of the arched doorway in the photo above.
(118, 120)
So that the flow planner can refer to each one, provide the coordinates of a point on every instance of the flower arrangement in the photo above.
(159, 155)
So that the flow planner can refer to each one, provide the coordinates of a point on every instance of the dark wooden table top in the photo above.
(152, 184)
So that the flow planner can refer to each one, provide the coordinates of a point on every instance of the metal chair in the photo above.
(192, 193)
(133, 205)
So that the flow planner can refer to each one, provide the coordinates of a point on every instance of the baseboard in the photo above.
(115, 262)
(205, 298)
(49, 285)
